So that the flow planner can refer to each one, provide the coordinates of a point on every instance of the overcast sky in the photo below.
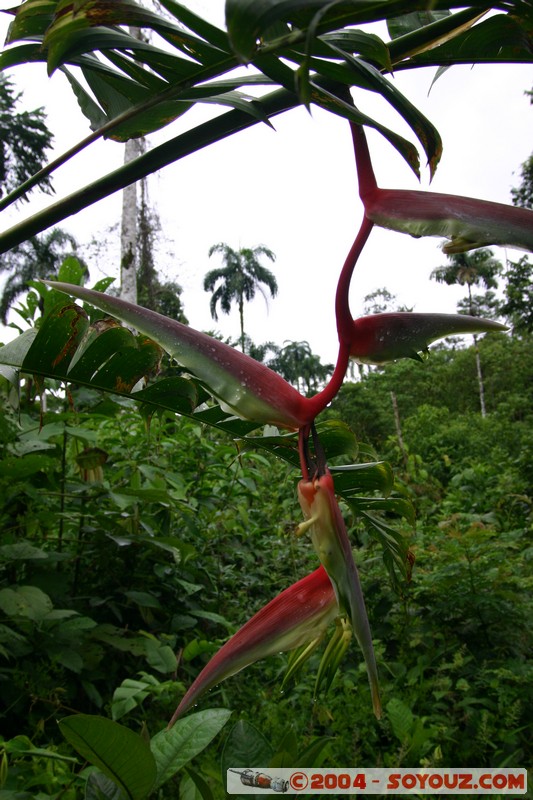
(294, 189)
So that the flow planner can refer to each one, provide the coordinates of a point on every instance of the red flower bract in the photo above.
(300, 614)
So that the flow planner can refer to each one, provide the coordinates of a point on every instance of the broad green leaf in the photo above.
(329, 91)
(25, 601)
(66, 324)
(248, 20)
(15, 352)
(245, 745)
(174, 748)
(161, 657)
(390, 505)
(401, 719)
(32, 19)
(421, 126)
(71, 26)
(371, 47)
(122, 755)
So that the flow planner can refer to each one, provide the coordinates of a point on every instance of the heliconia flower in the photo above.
(324, 521)
(387, 337)
(242, 385)
(297, 616)
(465, 221)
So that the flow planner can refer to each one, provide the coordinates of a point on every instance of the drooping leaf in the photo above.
(122, 755)
(502, 38)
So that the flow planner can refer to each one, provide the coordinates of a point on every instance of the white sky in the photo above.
(295, 191)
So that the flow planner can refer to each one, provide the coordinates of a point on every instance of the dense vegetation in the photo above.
(142, 522)
(126, 540)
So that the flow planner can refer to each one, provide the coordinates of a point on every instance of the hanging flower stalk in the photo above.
(251, 390)
(465, 221)
(299, 615)
(324, 522)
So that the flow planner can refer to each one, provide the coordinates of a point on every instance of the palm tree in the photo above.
(239, 279)
(475, 268)
(37, 257)
(300, 366)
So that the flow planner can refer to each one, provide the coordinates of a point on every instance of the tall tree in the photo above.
(239, 279)
(475, 268)
(24, 140)
(133, 148)
(128, 228)
(518, 304)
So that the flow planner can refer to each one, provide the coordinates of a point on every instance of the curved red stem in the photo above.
(367, 183)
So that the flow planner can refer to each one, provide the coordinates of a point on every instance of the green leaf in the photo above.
(122, 755)
(25, 601)
(129, 695)
(15, 352)
(353, 478)
(422, 127)
(174, 748)
(161, 657)
(401, 719)
(501, 38)
(100, 787)
(400, 26)
(19, 468)
(21, 550)
(66, 324)
(199, 789)
(197, 24)
(244, 746)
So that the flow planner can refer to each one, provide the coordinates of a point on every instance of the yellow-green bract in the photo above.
(330, 539)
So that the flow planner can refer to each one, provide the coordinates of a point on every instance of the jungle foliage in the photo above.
(129, 537)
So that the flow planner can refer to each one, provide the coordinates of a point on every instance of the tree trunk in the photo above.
(128, 233)
(128, 230)
(241, 317)
(480, 382)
